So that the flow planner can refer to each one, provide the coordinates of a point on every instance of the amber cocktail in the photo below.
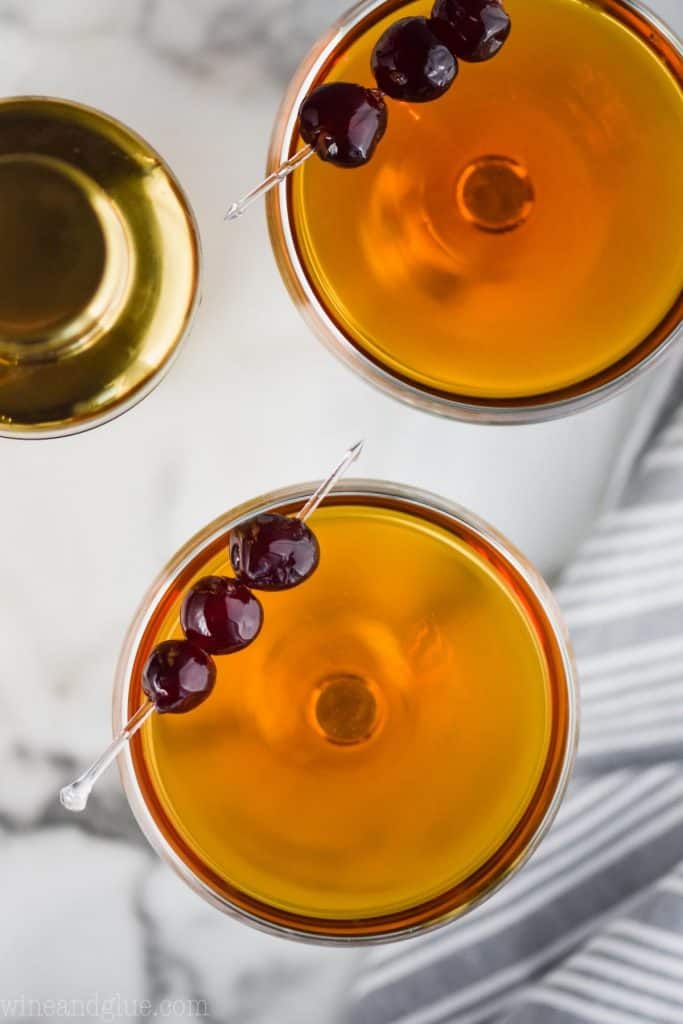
(512, 251)
(392, 745)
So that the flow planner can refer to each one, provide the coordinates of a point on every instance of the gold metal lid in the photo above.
(99, 267)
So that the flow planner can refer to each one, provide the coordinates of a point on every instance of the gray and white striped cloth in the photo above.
(591, 930)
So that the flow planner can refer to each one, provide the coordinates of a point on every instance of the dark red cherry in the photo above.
(411, 63)
(178, 676)
(273, 552)
(473, 30)
(221, 615)
(343, 122)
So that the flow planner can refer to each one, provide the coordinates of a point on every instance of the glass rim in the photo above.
(294, 495)
(107, 414)
(546, 406)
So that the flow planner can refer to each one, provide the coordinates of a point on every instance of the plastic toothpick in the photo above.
(75, 796)
(327, 485)
(276, 178)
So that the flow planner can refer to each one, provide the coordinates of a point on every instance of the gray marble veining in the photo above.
(86, 522)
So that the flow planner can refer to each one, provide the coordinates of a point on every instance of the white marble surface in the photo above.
(254, 402)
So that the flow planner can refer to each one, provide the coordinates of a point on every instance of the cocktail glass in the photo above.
(512, 251)
(390, 749)
(99, 270)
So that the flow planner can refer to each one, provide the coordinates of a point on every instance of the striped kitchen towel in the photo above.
(591, 930)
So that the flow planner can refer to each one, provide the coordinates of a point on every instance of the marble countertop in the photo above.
(253, 403)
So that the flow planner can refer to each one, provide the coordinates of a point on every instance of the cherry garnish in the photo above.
(473, 30)
(411, 63)
(221, 615)
(273, 552)
(343, 122)
(415, 61)
(178, 676)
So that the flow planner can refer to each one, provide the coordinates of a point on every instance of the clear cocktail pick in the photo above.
(74, 797)
(276, 178)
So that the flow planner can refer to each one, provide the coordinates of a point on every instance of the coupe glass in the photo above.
(166, 830)
(368, 346)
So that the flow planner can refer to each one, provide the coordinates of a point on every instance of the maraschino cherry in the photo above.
(273, 552)
(178, 676)
(343, 123)
(221, 615)
(412, 63)
(474, 30)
